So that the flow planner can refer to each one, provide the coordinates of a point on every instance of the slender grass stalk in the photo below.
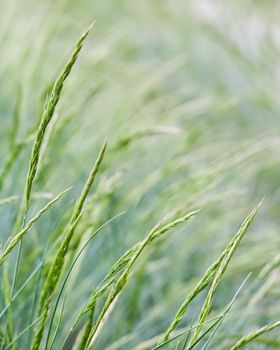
(26, 283)
(87, 329)
(189, 329)
(13, 242)
(227, 310)
(73, 265)
(156, 232)
(222, 268)
(218, 319)
(201, 285)
(203, 335)
(253, 335)
(47, 115)
(37, 290)
(90, 305)
(15, 239)
(58, 261)
(187, 338)
(58, 325)
(115, 272)
(6, 287)
(20, 290)
(24, 331)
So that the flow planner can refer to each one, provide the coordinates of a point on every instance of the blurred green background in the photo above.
(187, 95)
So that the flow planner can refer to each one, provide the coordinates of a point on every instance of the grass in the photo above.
(187, 101)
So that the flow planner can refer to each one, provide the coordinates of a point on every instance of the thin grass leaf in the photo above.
(201, 285)
(109, 279)
(8, 346)
(189, 329)
(30, 277)
(117, 269)
(26, 283)
(87, 329)
(253, 335)
(58, 325)
(58, 261)
(218, 319)
(156, 232)
(203, 335)
(37, 289)
(6, 288)
(222, 268)
(225, 313)
(47, 115)
(177, 345)
(15, 239)
(187, 337)
(73, 265)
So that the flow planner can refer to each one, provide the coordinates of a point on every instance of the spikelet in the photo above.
(253, 335)
(48, 114)
(222, 268)
(207, 277)
(156, 232)
(58, 262)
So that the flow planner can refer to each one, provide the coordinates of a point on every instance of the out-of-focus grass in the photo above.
(186, 94)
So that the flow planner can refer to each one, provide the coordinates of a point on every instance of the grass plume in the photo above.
(47, 115)
(254, 334)
(209, 275)
(156, 232)
(56, 267)
(222, 268)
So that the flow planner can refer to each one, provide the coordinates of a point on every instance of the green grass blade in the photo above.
(222, 268)
(201, 285)
(73, 265)
(225, 313)
(58, 262)
(253, 335)
(48, 114)
(15, 239)
(156, 232)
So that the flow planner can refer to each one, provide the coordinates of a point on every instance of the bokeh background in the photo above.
(187, 95)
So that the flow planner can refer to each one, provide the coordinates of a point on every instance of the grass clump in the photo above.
(192, 122)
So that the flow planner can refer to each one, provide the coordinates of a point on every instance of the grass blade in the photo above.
(222, 268)
(58, 262)
(253, 335)
(157, 231)
(201, 285)
(72, 266)
(13, 242)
